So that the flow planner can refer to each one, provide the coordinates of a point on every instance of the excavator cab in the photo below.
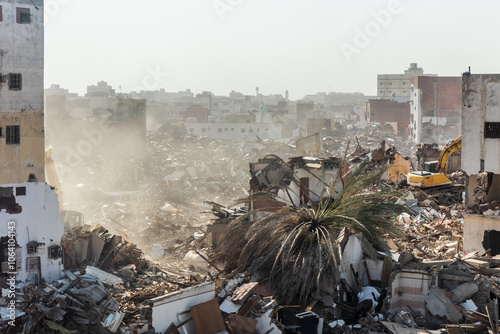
(431, 166)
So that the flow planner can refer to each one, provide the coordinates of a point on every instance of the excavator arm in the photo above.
(425, 179)
(444, 156)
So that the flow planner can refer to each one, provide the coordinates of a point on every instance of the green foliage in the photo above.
(296, 249)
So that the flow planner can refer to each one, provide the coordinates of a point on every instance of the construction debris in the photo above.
(143, 262)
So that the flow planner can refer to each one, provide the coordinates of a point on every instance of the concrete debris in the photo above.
(166, 281)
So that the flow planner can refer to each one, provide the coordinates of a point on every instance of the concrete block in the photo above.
(439, 305)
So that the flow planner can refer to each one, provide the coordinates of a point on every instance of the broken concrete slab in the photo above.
(465, 291)
(165, 308)
(440, 305)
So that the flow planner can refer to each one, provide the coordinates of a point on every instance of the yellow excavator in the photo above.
(434, 173)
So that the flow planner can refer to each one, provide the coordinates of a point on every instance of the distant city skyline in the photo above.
(225, 45)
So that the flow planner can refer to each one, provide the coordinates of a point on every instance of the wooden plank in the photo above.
(243, 292)
(386, 271)
(207, 318)
(311, 305)
(248, 306)
(489, 318)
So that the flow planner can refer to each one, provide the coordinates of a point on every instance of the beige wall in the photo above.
(397, 167)
(18, 161)
(474, 227)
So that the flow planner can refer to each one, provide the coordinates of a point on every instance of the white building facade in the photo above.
(30, 220)
(397, 86)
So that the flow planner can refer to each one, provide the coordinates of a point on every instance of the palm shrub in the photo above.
(295, 249)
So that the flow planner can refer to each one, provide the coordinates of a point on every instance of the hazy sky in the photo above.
(303, 46)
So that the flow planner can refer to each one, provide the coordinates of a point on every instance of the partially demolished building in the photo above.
(29, 208)
(481, 160)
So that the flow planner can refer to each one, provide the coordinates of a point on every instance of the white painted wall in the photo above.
(480, 104)
(474, 227)
(315, 185)
(21, 51)
(171, 307)
(416, 112)
(40, 221)
(353, 254)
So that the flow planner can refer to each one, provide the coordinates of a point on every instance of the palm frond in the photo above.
(296, 249)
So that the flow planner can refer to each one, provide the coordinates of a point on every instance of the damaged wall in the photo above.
(397, 167)
(481, 120)
(19, 160)
(410, 287)
(313, 179)
(174, 307)
(475, 227)
(21, 90)
(352, 267)
(38, 229)
(309, 146)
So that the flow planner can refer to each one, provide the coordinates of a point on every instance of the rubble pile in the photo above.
(422, 281)
(431, 231)
(157, 198)
(369, 138)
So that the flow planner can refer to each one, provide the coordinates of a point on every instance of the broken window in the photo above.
(9, 262)
(23, 15)
(13, 135)
(20, 191)
(34, 247)
(55, 252)
(491, 240)
(491, 129)
(3, 77)
(8, 201)
(0, 13)
(33, 263)
(15, 81)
